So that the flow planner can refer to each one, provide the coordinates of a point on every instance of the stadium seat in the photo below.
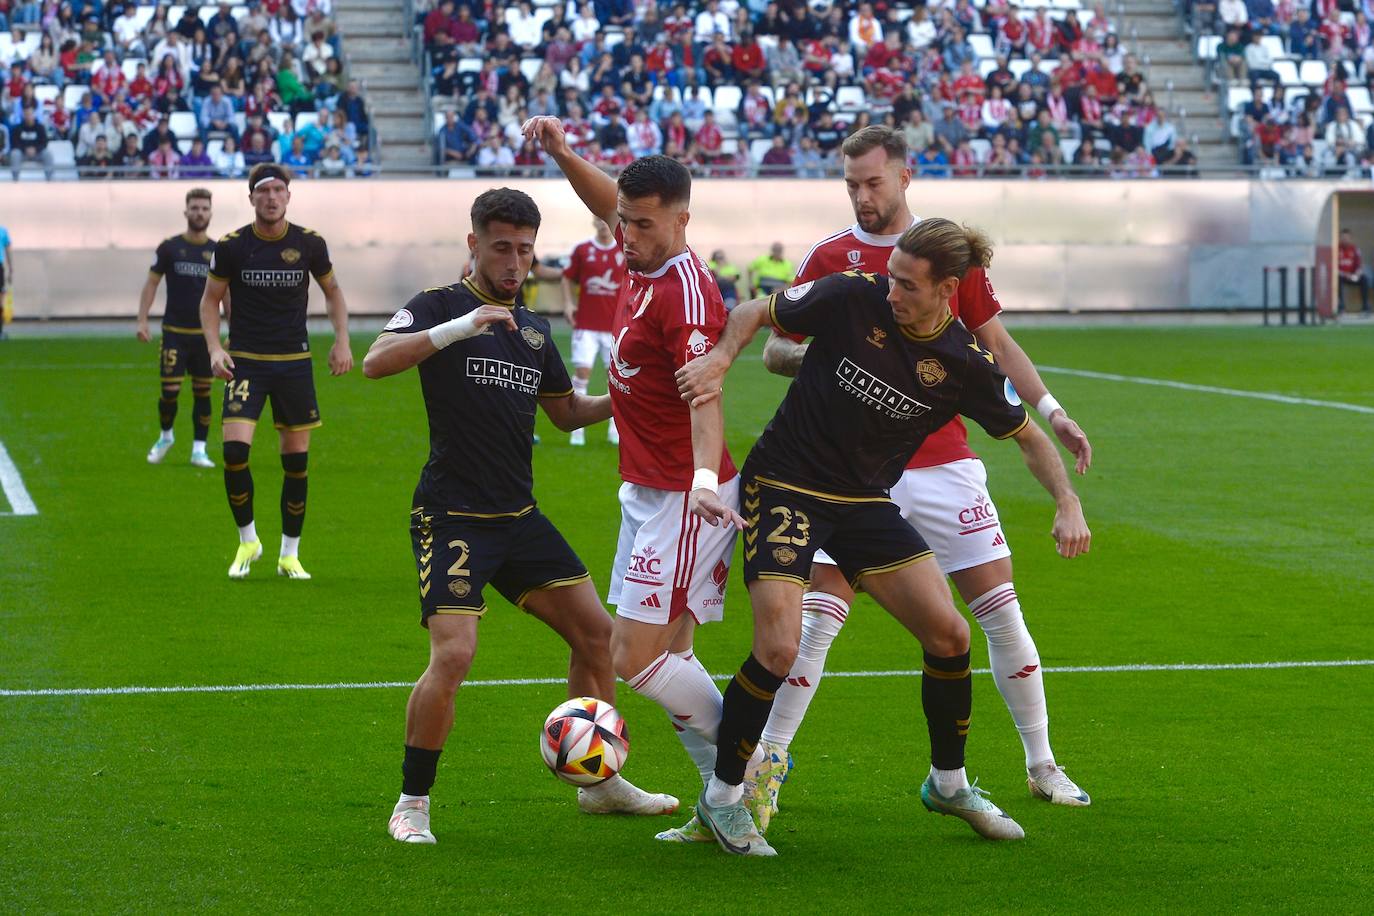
(469, 65)
(438, 120)
(985, 66)
(730, 147)
(71, 96)
(529, 66)
(214, 148)
(303, 118)
(726, 98)
(280, 121)
(183, 125)
(1312, 73)
(850, 98)
(757, 148)
(1019, 68)
(1069, 148)
(1236, 97)
(1274, 45)
(46, 94)
(143, 15)
(130, 66)
(174, 15)
(1068, 4)
(1207, 47)
(1287, 71)
(63, 159)
(613, 37)
(183, 146)
(982, 46)
(981, 148)
(1359, 99)
(767, 93)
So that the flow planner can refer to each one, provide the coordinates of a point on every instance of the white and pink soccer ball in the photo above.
(584, 741)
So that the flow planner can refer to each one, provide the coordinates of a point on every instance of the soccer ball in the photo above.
(584, 741)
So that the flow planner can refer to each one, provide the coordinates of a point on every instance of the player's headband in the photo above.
(270, 173)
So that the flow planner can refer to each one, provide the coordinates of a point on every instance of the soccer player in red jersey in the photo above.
(680, 493)
(943, 492)
(597, 268)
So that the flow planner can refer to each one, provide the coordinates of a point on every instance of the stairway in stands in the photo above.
(376, 40)
(1154, 31)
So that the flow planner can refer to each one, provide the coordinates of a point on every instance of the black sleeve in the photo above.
(422, 312)
(814, 308)
(320, 266)
(224, 260)
(989, 398)
(162, 259)
(555, 382)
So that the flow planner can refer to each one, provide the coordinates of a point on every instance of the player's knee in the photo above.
(949, 636)
(170, 390)
(200, 389)
(235, 456)
(450, 664)
(777, 655)
(295, 462)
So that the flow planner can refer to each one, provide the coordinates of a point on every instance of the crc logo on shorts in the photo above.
(698, 344)
(930, 372)
(978, 517)
(785, 556)
(796, 292)
(532, 337)
(460, 588)
(290, 255)
(647, 563)
(720, 575)
(402, 319)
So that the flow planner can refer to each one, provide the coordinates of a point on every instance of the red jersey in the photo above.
(970, 84)
(664, 319)
(1348, 259)
(599, 273)
(974, 303)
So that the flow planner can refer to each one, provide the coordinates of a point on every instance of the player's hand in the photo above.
(1074, 439)
(700, 380)
(707, 505)
(570, 313)
(494, 314)
(340, 358)
(548, 131)
(1071, 534)
(221, 364)
(142, 332)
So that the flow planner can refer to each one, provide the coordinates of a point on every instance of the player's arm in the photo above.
(216, 290)
(995, 337)
(700, 380)
(391, 353)
(546, 272)
(1070, 531)
(595, 187)
(569, 300)
(574, 411)
(341, 354)
(708, 444)
(783, 355)
(145, 303)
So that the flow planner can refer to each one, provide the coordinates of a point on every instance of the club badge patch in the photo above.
(532, 337)
(402, 319)
(930, 372)
(796, 292)
(290, 255)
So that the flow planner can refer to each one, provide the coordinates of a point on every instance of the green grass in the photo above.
(1225, 530)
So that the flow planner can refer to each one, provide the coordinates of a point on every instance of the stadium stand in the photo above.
(126, 90)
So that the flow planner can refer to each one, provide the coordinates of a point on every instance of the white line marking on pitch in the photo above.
(546, 681)
(13, 484)
(1211, 389)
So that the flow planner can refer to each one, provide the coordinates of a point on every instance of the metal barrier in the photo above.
(1304, 291)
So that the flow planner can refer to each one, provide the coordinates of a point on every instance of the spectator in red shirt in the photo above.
(777, 161)
(718, 62)
(1350, 266)
(968, 83)
(140, 87)
(440, 19)
(709, 140)
(748, 59)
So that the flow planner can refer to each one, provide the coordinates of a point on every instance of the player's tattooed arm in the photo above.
(574, 411)
(700, 380)
(1070, 531)
(995, 338)
(782, 355)
(595, 187)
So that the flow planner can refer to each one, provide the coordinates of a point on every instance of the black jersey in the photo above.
(868, 392)
(481, 395)
(185, 264)
(269, 288)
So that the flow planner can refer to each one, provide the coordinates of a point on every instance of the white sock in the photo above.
(686, 691)
(198, 447)
(719, 794)
(248, 532)
(410, 798)
(167, 436)
(1016, 668)
(947, 782)
(290, 545)
(580, 385)
(702, 752)
(612, 432)
(822, 616)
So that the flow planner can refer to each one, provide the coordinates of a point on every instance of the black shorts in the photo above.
(458, 556)
(290, 384)
(184, 354)
(788, 524)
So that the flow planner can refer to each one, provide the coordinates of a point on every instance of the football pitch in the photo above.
(1229, 531)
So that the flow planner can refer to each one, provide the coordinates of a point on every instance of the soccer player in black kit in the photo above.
(184, 260)
(267, 266)
(486, 362)
(889, 364)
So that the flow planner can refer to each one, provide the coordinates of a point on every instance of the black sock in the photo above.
(201, 392)
(748, 701)
(417, 770)
(167, 405)
(947, 697)
(293, 486)
(238, 482)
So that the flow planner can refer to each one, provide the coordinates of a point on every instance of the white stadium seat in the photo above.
(280, 121)
(981, 148)
(982, 46)
(757, 148)
(1312, 73)
(1274, 44)
(1207, 47)
(727, 98)
(851, 98)
(183, 125)
(1287, 71)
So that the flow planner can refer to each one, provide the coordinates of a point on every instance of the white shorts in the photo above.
(586, 345)
(669, 560)
(950, 506)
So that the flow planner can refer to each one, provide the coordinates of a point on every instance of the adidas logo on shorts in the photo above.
(651, 601)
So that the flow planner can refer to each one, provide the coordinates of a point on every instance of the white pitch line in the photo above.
(1211, 389)
(84, 367)
(546, 681)
(13, 484)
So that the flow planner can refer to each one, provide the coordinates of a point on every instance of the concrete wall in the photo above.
(82, 249)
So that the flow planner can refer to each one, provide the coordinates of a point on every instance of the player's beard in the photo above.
(198, 223)
(874, 221)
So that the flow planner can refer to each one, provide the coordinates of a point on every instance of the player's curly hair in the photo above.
(660, 176)
(951, 249)
(504, 205)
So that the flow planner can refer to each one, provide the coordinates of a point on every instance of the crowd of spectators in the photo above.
(777, 86)
(145, 92)
(1286, 126)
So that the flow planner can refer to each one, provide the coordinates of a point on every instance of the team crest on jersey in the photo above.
(796, 292)
(877, 338)
(930, 372)
(205, 255)
(460, 587)
(785, 556)
(532, 337)
(402, 319)
(290, 255)
(234, 407)
(855, 256)
(697, 344)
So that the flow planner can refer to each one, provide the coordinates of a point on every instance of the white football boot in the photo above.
(618, 795)
(161, 447)
(1048, 781)
(410, 821)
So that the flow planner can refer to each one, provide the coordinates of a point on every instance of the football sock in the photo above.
(822, 616)
(1016, 668)
(417, 770)
(947, 698)
(701, 749)
(238, 483)
(167, 405)
(947, 782)
(580, 385)
(685, 690)
(290, 546)
(719, 794)
(293, 487)
(748, 700)
(248, 532)
(200, 391)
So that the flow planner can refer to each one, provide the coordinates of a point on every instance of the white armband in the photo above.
(705, 480)
(450, 332)
(1047, 406)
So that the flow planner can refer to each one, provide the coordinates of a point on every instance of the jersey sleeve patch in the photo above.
(402, 319)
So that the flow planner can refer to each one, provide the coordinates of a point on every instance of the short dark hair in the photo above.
(660, 176)
(265, 170)
(865, 140)
(198, 194)
(504, 205)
